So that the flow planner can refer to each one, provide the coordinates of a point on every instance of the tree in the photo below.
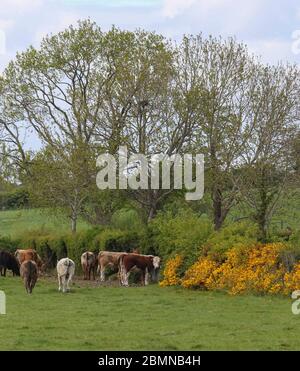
(223, 72)
(267, 164)
(13, 156)
(57, 91)
(62, 180)
(150, 103)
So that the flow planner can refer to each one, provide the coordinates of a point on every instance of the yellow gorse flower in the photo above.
(170, 273)
(255, 269)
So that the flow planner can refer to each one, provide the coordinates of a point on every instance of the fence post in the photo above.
(2, 302)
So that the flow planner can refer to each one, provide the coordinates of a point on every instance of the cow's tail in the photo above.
(30, 269)
(68, 269)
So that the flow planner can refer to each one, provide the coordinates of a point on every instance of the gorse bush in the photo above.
(256, 268)
(171, 272)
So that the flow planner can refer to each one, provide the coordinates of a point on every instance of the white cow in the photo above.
(65, 272)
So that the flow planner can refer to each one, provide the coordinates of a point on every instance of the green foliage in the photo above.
(54, 246)
(184, 233)
(127, 220)
(239, 233)
(8, 245)
(15, 199)
(117, 240)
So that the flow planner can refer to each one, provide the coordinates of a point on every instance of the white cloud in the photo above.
(17, 6)
(171, 8)
(273, 50)
(6, 24)
(2, 43)
(56, 25)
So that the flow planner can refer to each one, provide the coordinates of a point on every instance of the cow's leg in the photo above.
(64, 283)
(147, 276)
(93, 271)
(26, 284)
(68, 284)
(33, 282)
(89, 271)
(68, 281)
(30, 285)
(124, 275)
(4, 274)
(143, 277)
(59, 283)
(102, 273)
(120, 277)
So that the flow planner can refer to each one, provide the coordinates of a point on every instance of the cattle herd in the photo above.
(29, 265)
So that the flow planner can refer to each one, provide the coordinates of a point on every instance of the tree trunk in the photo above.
(74, 223)
(152, 213)
(262, 212)
(217, 206)
(217, 198)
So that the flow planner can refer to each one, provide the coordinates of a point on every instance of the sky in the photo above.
(271, 28)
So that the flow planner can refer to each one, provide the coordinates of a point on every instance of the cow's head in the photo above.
(156, 265)
(156, 262)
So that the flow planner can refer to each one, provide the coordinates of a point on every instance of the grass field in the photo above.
(14, 223)
(142, 318)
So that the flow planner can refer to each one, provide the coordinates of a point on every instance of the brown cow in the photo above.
(108, 259)
(147, 264)
(88, 264)
(29, 273)
(29, 254)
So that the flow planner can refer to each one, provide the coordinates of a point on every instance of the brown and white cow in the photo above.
(29, 273)
(147, 264)
(108, 259)
(88, 264)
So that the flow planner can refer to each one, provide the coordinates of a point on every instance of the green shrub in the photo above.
(53, 247)
(184, 233)
(7, 244)
(127, 220)
(16, 199)
(117, 240)
(241, 233)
